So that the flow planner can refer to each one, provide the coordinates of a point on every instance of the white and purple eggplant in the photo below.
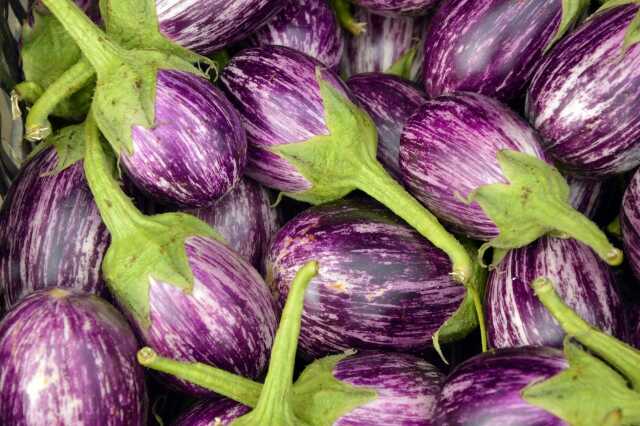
(380, 284)
(515, 317)
(397, 7)
(584, 100)
(391, 45)
(177, 137)
(309, 26)
(630, 223)
(586, 195)
(492, 47)
(68, 358)
(310, 141)
(389, 101)
(480, 167)
(366, 388)
(51, 234)
(245, 218)
(187, 294)
(220, 412)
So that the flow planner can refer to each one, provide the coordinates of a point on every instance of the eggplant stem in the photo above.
(346, 19)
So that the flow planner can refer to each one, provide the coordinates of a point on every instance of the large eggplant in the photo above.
(390, 101)
(585, 98)
(309, 26)
(394, 7)
(68, 358)
(491, 47)
(630, 223)
(380, 285)
(479, 166)
(487, 388)
(245, 219)
(515, 317)
(51, 234)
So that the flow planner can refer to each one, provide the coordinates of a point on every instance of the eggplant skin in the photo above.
(515, 316)
(69, 358)
(309, 26)
(586, 195)
(492, 47)
(205, 26)
(220, 412)
(395, 7)
(630, 222)
(380, 286)
(485, 390)
(51, 233)
(585, 98)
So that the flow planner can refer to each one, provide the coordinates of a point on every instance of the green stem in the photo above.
(621, 356)
(29, 91)
(94, 43)
(477, 302)
(37, 126)
(402, 66)
(346, 19)
(373, 179)
(275, 406)
(227, 384)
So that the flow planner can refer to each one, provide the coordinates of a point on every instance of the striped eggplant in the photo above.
(491, 47)
(186, 294)
(90, 7)
(390, 44)
(487, 389)
(586, 195)
(219, 412)
(380, 285)
(395, 7)
(585, 98)
(633, 316)
(390, 101)
(178, 138)
(515, 317)
(309, 140)
(245, 219)
(466, 156)
(51, 234)
(309, 26)
(630, 223)
(68, 358)
(365, 388)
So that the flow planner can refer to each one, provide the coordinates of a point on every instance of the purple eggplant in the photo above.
(487, 388)
(585, 98)
(380, 285)
(630, 223)
(491, 47)
(586, 195)
(309, 26)
(480, 167)
(390, 44)
(51, 234)
(220, 412)
(69, 358)
(395, 7)
(515, 317)
(390, 101)
(245, 219)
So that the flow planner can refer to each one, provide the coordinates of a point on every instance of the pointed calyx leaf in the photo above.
(572, 12)
(143, 248)
(535, 203)
(346, 19)
(402, 66)
(69, 145)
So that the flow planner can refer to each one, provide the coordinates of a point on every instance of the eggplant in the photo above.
(380, 285)
(480, 167)
(51, 234)
(390, 44)
(584, 100)
(177, 137)
(486, 389)
(515, 317)
(69, 358)
(365, 388)
(492, 47)
(220, 412)
(395, 7)
(390, 101)
(186, 294)
(586, 195)
(630, 223)
(309, 26)
(245, 219)
(309, 140)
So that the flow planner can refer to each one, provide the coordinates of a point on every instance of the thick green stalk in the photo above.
(346, 19)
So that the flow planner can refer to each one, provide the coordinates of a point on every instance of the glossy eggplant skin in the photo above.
(390, 101)
(396, 7)
(485, 390)
(630, 223)
(221, 412)
(515, 316)
(51, 233)
(586, 195)
(492, 47)
(380, 285)
(69, 358)
(585, 98)
(309, 26)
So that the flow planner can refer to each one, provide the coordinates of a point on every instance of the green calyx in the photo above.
(143, 248)
(572, 12)
(316, 399)
(68, 143)
(403, 65)
(535, 203)
(632, 35)
(342, 9)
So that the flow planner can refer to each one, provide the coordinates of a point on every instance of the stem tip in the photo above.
(146, 356)
(614, 257)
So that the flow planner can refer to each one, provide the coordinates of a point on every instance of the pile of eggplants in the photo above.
(321, 212)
